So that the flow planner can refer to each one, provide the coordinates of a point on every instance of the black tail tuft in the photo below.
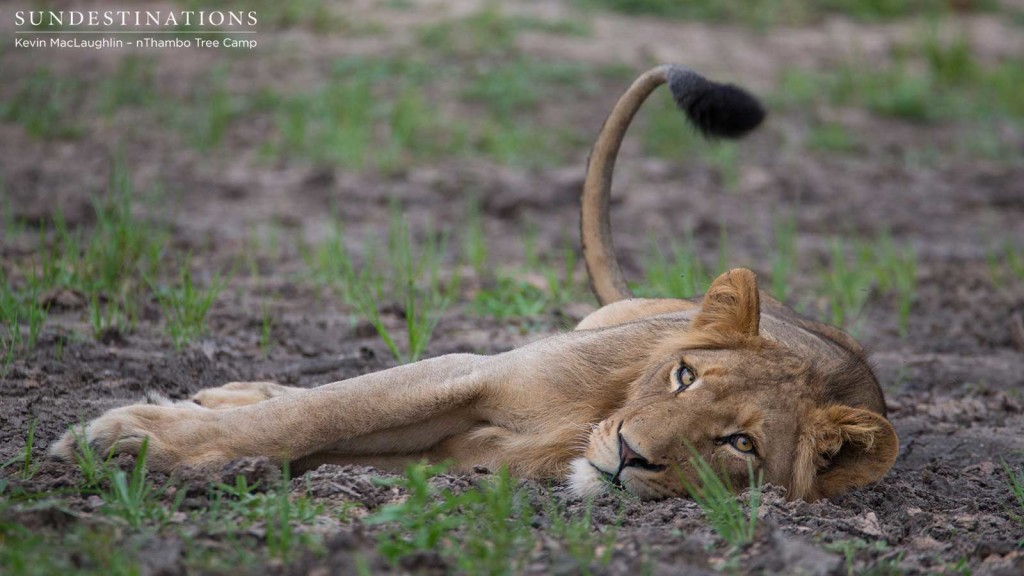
(717, 110)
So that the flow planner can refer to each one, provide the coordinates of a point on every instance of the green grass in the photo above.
(272, 508)
(240, 525)
(109, 263)
(717, 499)
(205, 115)
(1006, 264)
(404, 274)
(24, 465)
(133, 84)
(491, 32)
(185, 306)
(22, 315)
(856, 547)
(678, 271)
(389, 114)
(832, 137)
(510, 298)
(523, 145)
(94, 467)
(84, 549)
(485, 529)
(896, 270)
(369, 114)
(864, 268)
(847, 282)
(553, 283)
(132, 498)
(876, 10)
(521, 85)
(106, 264)
(45, 105)
(120, 251)
(768, 12)
(758, 12)
(929, 80)
(487, 32)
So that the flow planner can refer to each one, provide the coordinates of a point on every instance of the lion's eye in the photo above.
(683, 377)
(742, 442)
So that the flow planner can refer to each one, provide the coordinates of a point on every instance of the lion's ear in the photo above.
(731, 304)
(843, 448)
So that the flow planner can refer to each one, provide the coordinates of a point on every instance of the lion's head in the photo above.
(744, 385)
(737, 379)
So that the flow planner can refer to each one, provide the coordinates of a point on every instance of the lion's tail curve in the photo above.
(716, 110)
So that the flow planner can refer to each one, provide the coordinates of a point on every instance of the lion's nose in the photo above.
(628, 457)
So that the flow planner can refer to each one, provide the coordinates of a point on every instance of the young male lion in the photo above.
(626, 399)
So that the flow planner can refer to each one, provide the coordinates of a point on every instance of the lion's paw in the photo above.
(174, 436)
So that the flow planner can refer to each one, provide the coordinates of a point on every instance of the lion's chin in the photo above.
(585, 481)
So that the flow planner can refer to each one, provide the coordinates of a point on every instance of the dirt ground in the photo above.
(952, 381)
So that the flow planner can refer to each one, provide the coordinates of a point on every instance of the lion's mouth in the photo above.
(609, 477)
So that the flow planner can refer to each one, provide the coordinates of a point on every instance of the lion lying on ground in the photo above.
(626, 399)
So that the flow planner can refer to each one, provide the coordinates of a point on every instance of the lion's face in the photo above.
(734, 408)
(744, 396)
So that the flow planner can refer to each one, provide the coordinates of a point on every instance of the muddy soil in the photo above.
(953, 380)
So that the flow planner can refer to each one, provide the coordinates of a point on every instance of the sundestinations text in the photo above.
(135, 18)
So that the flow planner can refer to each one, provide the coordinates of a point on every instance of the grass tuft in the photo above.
(485, 529)
(853, 275)
(540, 285)
(22, 315)
(1006, 265)
(721, 506)
(44, 106)
(185, 306)
(406, 275)
(26, 466)
(133, 498)
(930, 80)
(896, 270)
(854, 547)
(675, 272)
(847, 285)
(93, 467)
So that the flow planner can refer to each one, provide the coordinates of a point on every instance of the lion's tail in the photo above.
(716, 110)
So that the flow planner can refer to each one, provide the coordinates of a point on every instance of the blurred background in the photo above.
(894, 129)
(368, 158)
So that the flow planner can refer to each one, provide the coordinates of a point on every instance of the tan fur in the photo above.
(566, 406)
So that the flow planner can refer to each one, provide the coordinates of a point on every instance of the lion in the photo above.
(628, 399)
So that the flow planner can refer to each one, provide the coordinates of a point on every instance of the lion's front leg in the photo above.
(298, 422)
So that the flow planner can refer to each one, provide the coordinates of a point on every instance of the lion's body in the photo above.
(605, 401)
